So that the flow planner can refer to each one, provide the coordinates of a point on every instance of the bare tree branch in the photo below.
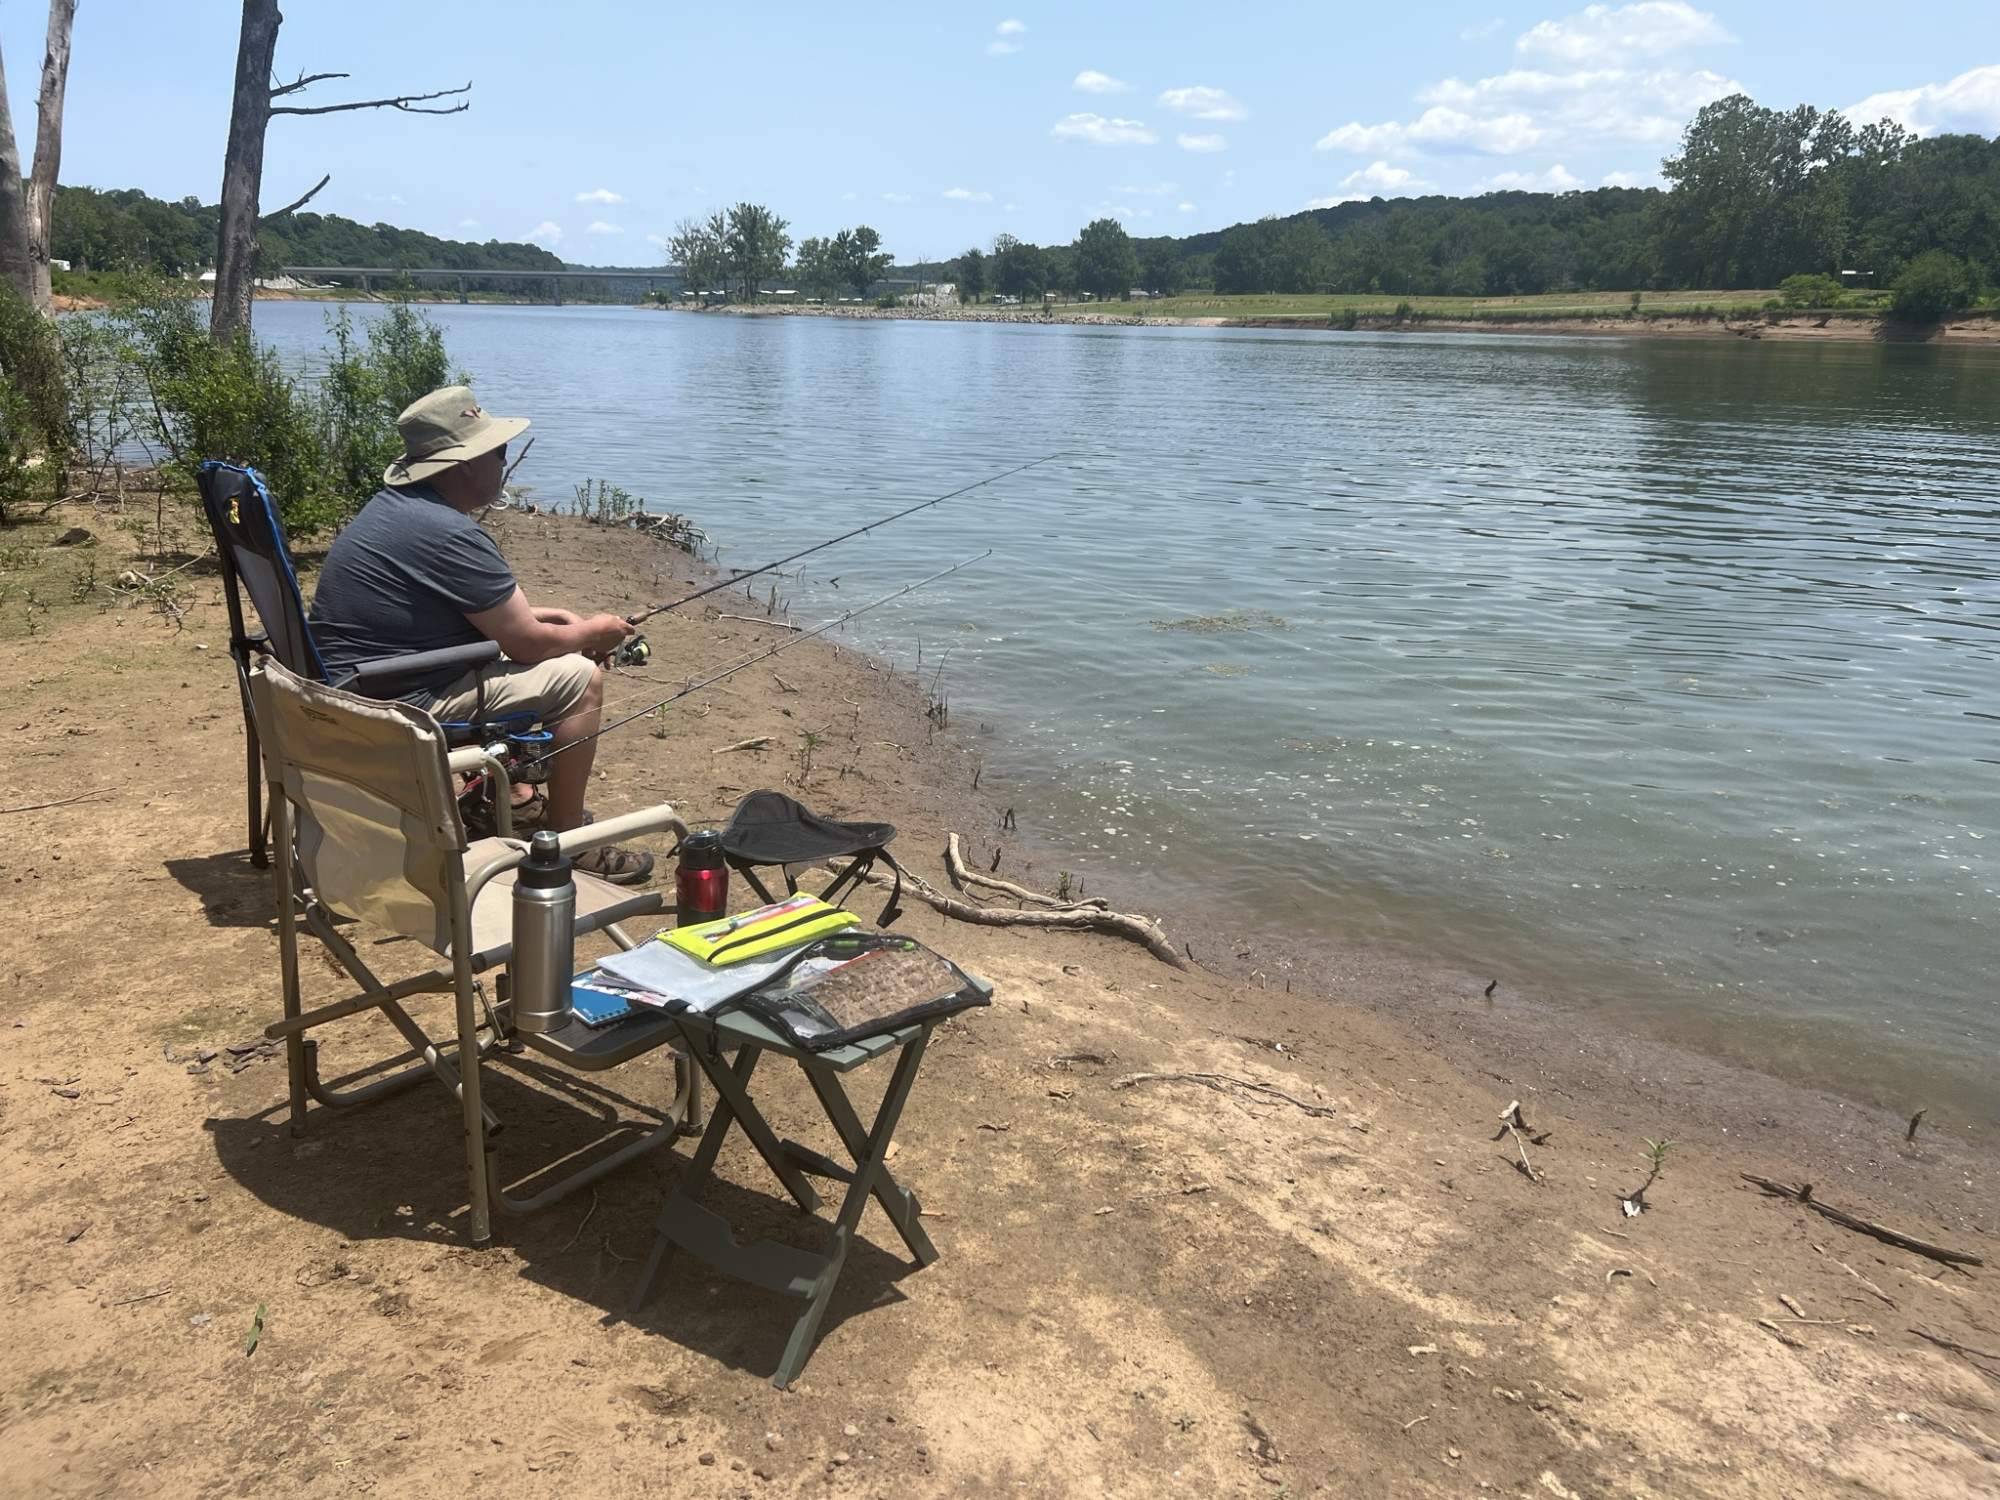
(303, 81)
(409, 104)
(298, 203)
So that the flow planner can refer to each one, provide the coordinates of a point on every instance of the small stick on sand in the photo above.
(1803, 1195)
(760, 620)
(59, 802)
(755, 742)
(1915, 1120)
(1217, 1081)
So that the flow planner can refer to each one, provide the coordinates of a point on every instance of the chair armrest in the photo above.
(371, 678)
(624, 826)
(469, 758)
(577, 840)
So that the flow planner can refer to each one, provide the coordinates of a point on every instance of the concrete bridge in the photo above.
(555, 280)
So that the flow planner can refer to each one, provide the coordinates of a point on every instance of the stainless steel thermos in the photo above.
(544, 936)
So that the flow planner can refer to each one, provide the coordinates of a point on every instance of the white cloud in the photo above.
(1187, 208)
(1383, 178)
(468, 223)
(1629, 179)
(849, 197)
(548, 230)
(1007, 38)
(1483, 32)
(1336, 202)
(1093, 82)
(600, 195)
(1599, 36)
(1968, 104)
(1202, 142)
(1102, 132)
(1153, 190)
(896, 197)
(964, 195)
(598, 226)
(1204, 103)
(654, 239)
(1558, 179)
(1609, 103)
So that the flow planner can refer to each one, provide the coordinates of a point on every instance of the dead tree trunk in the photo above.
(243, 162)
(243, 171)
(13, 207)
(48, 152)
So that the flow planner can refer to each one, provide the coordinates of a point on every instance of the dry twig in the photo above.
(103, 791)
(1217, 1081)
(1803, 1195)
(963, 875)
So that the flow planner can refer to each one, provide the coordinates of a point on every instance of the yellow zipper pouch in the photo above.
(786, 924)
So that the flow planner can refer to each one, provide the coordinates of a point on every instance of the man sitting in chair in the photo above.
(415, 572)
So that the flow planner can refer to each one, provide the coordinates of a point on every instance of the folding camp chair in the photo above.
(769, 828)
(366, 824)
(250, 544)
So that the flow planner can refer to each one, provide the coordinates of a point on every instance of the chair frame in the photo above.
(483, 1028)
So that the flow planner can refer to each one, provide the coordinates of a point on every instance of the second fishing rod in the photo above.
(846, 536)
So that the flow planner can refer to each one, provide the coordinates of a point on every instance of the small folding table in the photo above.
(685, 1225)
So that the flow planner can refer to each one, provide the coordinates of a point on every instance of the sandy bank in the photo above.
(1145, 1289)
(1848, 327)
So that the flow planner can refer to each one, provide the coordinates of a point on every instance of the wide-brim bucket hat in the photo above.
(447, 427)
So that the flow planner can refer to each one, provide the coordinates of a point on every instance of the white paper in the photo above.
(665, 970)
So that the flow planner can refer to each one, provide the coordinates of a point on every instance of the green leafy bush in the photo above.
(1934, 286)
(1809, 290)
(34, 407)
(321, 447)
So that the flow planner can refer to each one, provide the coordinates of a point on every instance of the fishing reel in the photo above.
(525, 757)
(633, 653)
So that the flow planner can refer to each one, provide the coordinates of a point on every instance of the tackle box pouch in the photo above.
(784, 924)
(854, 985)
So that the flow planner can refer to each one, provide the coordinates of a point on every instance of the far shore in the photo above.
(1855, 327)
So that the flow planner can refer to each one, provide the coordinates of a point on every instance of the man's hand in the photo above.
(529, 635)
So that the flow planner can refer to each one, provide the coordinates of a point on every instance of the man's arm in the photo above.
(530, 635)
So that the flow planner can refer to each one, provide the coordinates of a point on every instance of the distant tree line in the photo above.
(129, 231)
(1757, 196)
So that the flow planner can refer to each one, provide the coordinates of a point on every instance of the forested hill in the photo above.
(128, 231)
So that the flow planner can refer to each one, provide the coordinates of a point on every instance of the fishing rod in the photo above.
(784, 645)
(659, 609)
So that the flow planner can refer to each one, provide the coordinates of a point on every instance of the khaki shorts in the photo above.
(551, 688)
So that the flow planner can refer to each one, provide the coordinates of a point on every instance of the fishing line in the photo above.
(845, 536)
(784, 645)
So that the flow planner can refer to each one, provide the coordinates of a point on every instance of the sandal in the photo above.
(619, 866)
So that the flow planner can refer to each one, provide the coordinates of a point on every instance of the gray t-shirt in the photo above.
(402, 577)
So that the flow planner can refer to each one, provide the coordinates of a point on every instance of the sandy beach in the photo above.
(1200, 1234)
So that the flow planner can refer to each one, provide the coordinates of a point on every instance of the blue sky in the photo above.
(598, 124)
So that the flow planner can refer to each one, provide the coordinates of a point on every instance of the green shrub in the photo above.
(1809, 290)
(1934, 286)
(34, 407)
(321, 448)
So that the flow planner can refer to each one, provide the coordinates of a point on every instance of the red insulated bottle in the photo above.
(701, 881)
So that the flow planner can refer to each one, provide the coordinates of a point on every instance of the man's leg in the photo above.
(569, 771)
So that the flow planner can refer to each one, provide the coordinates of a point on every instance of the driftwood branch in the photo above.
(1803, 1195)
(409, 104)
(1221, 1083)
(963, 875)
(1954, 1345)
(299, 203)
(1073, 919)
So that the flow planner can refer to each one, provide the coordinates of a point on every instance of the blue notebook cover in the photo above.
(597, 1007)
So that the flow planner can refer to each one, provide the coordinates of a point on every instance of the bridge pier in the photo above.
(367, 286)
(461, 289)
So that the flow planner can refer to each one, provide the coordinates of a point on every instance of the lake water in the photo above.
(1662, 671)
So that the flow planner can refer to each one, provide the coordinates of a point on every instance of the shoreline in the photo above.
(1815, 326)
(1147, 1284)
